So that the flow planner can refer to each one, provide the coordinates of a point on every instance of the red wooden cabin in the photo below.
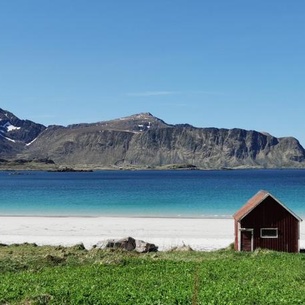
(265, 222)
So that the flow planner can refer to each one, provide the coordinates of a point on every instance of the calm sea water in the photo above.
(146, 193)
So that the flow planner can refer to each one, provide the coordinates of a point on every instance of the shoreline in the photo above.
(166, 233)
(201, 234)
(117, 216)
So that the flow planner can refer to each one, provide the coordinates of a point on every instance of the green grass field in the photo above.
(58, 275)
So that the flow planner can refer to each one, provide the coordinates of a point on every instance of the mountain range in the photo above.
(140, 141)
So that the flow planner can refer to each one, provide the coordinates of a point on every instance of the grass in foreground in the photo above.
(58, 275)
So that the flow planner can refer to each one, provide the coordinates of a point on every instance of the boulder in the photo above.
(128, 244)
(144, 247)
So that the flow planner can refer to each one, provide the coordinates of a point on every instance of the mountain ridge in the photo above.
(145, 141)
(15, 134)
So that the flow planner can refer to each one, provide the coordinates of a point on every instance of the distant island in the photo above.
(140, 141)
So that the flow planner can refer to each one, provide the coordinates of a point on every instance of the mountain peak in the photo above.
(14, 130)
(142, 115)
(136, 122)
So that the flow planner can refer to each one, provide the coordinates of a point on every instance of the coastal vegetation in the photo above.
(32, 274)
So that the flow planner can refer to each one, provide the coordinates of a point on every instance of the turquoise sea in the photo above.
(145, 193)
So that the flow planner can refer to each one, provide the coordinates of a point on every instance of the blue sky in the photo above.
(209, 63)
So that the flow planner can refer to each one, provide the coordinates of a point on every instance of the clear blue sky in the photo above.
(215, 63)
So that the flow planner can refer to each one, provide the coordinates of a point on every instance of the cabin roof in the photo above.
(253, 202)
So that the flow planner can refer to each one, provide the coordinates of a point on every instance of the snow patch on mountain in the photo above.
(28, 144)
(9, 139)
(10, 127)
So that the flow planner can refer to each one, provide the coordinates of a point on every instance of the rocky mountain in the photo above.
(16, 134)
(144, 141)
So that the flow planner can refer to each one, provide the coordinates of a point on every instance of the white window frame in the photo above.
(269, 236)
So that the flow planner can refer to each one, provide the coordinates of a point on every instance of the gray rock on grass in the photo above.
(128, 244)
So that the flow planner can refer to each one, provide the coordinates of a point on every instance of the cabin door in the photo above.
(246, 240)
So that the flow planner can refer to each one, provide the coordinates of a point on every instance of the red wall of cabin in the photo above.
(270, 214)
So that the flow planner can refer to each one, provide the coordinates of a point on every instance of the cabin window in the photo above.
(269, 233)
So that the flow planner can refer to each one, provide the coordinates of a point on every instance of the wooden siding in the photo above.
(270, 214)
(236, 240)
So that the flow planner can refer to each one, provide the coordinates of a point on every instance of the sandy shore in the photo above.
(166, 233)
(200, 234)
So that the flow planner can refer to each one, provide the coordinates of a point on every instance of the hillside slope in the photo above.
(15, 134)
(143, 140)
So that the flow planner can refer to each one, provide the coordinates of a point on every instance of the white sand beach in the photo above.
(200, 234)
(166, 233)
